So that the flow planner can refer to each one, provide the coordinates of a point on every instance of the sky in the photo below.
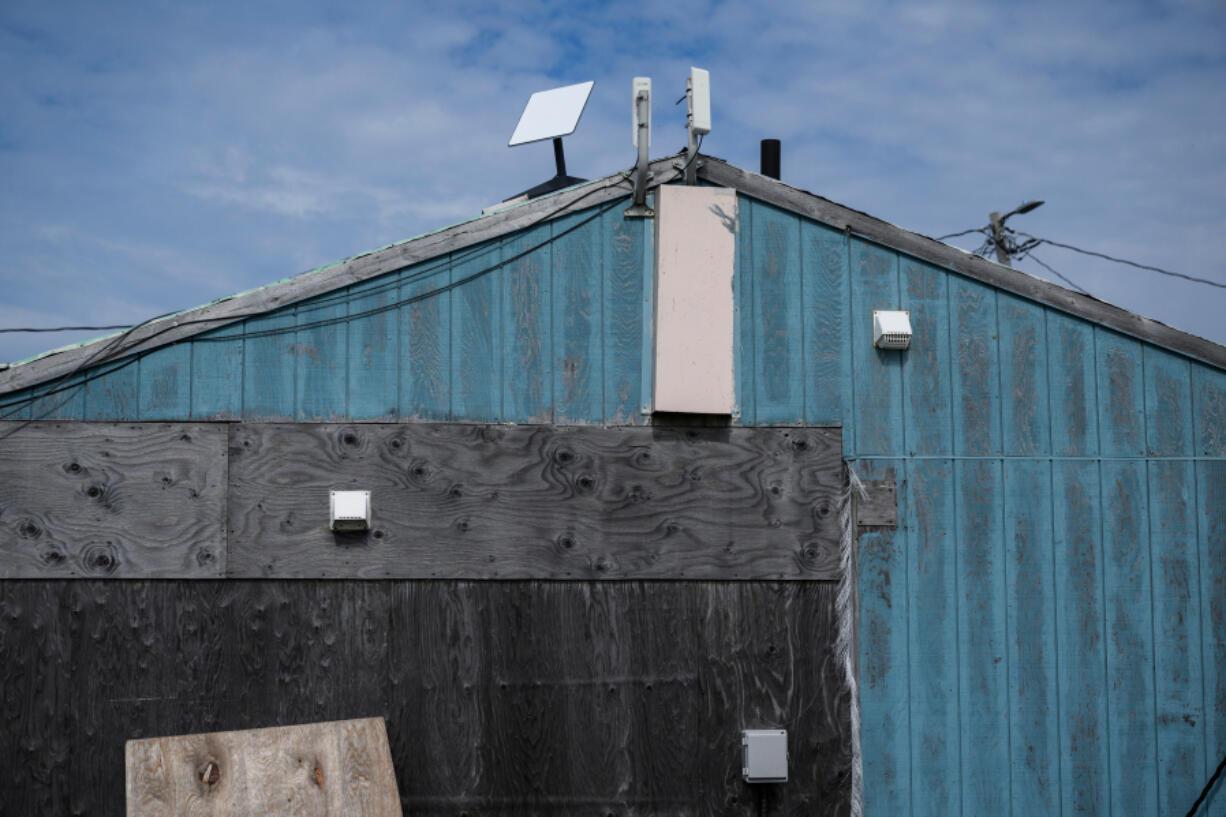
(155, 156)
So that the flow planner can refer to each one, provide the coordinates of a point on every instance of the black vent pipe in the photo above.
(770, 158)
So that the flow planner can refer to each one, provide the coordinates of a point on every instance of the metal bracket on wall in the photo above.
(879, 508)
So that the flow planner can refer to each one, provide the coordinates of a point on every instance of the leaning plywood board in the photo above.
(318, 769)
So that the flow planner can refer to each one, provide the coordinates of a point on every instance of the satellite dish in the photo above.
(551, 115)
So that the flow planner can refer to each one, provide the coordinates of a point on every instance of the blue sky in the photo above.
(156, 156)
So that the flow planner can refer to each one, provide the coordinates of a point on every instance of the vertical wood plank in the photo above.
(1178, 675)
(743, 334)
(1130, 663)
(578, 353)
(527, 389)
(111, 393)
(477, 347)
(268, 367)
(16, 406)
(984, 660)
(624, 249)
(1034, 712)
(321, 357)
(1121, 394)
(934, 646)
(427, 356)
(1209, 404)
(1211, 505)
(217, 373)
(1026, 424)
(777, 318)
(827, 326)
(165, 383)
(1168, 404)
(1081, 654)
(878, 381)
(1074, 393)
(926, 365)
(374, 350)
(976, 370)
(59, 399)
(885, 701)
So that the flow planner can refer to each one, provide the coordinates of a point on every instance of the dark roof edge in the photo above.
(317, 282)
(1011, 280)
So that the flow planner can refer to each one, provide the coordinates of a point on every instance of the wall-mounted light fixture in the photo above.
(891, 328)
(349, 510)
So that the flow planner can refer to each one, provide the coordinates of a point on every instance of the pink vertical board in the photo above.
(695, 251)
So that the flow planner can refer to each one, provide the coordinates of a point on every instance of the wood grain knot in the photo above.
(210, 774)
(319, 776)
(29, 529)
(100, 559)
(73, 468)
(52, 558)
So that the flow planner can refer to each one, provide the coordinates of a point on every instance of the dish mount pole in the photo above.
(642, 140)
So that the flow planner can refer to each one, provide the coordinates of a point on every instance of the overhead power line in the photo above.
(1058, 274)
(1173, 274)
(66, 328)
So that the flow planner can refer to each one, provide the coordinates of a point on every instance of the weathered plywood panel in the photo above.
(500, 698)
(1209, 410)
(85, 499)
(885, 703)
(502, 502)
(696, 241)
(1211, 488)
(1168, 404)
(325, 769)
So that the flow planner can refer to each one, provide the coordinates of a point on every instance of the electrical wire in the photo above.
(1057, 273)
(1192, 278)
(114, 348)
(964, 232)
(1208, 788)
(66, 328)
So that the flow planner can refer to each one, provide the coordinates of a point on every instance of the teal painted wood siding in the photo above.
(522, 329)
(1045, 631)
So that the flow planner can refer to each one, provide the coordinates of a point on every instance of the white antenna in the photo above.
(552, 114)
(698, 117)
(640, 101)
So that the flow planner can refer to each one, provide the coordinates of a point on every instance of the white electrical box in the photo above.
(764, 755)
(891, 329)
(350, 510)
(700, 100)
(640, 85)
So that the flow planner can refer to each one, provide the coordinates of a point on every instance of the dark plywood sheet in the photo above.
(108, 499)
(326, 769)
(497, 502)
(877, 504)
(500, 698)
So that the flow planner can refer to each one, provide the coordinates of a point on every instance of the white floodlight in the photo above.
(551, 114)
